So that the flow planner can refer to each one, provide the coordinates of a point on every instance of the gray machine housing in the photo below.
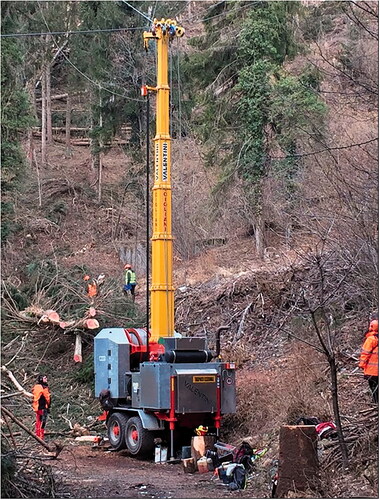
(147, 385)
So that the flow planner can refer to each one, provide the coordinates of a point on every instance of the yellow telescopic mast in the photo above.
(162, 290)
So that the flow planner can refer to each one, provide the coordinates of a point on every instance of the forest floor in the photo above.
(83, 471)
(278, 379)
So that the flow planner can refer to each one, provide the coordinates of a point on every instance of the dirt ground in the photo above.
(82, 471)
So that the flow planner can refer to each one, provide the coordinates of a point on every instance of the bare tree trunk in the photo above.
(68, 126)
(259, 236)
(334, 394)
(100, 180)
(43, 118)
(32, 95)
(95, 157)
(33, 160)
(49, 129)
(100, 171)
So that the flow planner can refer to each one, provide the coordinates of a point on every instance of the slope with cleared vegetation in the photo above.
(294, 276)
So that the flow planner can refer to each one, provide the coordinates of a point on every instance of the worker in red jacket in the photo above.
(369, 359)
(41, 404)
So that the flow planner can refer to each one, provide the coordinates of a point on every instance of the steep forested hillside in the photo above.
(274, 119)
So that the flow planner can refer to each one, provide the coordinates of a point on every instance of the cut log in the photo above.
(48, 316)
(91, 312)
(78, 349)
(91, 324)
(53, 97)
(200, 444)
(51, 316)
(88, 439)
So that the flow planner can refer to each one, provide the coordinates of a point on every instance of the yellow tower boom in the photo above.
(162, 289)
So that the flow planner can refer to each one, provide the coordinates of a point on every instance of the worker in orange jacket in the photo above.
(91, 287)
(369, 359)
(41, 404)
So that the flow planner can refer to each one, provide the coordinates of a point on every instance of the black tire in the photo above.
(116, 427)
(139, 441)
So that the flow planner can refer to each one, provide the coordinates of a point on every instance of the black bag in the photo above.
(214, 457)
(243, 455)
(105, 400)
(239, 478)
(308, 421)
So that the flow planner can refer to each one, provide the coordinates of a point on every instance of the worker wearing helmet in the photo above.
(41, 404)
(374, 326)
(369, 359)
(129, 281)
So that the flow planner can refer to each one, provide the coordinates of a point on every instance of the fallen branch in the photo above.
(240, 331)
(13, 379)
(4, 396)
(57, 447)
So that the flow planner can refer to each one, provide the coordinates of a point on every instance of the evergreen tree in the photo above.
(15, 119)
(250, 104)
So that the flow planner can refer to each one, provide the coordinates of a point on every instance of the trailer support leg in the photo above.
(172, 416)
(218, 415)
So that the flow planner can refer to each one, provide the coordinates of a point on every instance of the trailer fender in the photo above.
(150, 422)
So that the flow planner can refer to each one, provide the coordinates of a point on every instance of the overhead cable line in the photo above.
(139, 12)
(154, 9)
(234, 9)
(82, 32)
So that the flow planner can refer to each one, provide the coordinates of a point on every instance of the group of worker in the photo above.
(41, 393)
(129, 279)
(369, 362)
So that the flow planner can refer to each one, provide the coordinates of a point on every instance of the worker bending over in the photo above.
(369, 359)
(129, 280)
(41, 404)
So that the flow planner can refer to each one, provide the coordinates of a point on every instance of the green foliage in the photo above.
(318, 20)
(8, 470)
(271, 100)
(16, 296)
(112, 65)
(15, 119)
(295, 111)
(267, 33)
(57, 212)
(8, 224)
(85, 374)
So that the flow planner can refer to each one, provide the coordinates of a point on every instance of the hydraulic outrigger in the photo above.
(154, 381)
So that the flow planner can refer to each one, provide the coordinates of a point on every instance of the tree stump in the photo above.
(298, 459)
(200, 444)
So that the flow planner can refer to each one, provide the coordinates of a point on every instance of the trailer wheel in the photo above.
(139, 441)
(116, 426)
